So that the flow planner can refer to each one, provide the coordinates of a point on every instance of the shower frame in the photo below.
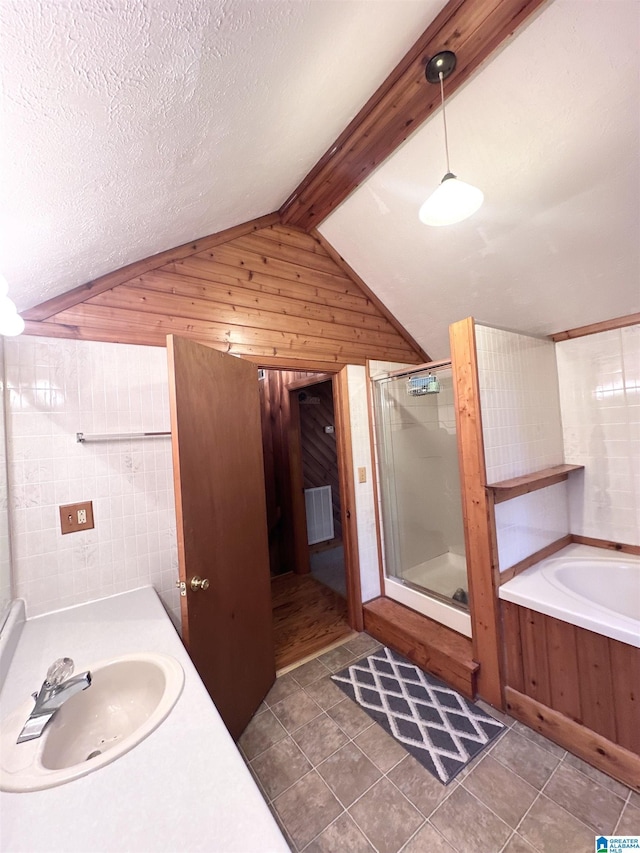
(428, 602)
(477, 507)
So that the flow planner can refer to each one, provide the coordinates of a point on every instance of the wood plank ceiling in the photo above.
(267, 290)
(270, 293)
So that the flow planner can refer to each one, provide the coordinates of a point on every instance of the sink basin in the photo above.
(128, 699)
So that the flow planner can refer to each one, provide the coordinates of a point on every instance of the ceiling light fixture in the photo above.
(11, 323)
(453, 200)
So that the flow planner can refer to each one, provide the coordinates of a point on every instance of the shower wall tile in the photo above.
(365, 504)
(56, 388)
(530, 522)
(520, 403)
(599, 378)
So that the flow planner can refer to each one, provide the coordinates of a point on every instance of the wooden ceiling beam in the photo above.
(473, 29)
(98, 285)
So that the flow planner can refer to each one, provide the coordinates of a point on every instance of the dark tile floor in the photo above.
(338, 783)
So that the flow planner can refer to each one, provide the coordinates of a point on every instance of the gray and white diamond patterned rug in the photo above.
(433, 722)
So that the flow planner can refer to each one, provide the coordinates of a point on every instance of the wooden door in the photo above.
(222, 526)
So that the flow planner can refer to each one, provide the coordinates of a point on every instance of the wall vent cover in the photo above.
(319, 506)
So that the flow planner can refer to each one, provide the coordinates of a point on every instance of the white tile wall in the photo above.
(56, 388)
(365, 505)
(5, 543)
(522, 432)
(600, 399)
(520, 403)
(530, 522)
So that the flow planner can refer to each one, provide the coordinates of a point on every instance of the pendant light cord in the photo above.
(444, 120)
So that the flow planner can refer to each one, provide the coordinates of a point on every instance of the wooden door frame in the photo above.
(345, 478)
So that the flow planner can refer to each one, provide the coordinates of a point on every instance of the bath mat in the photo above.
(433, 722)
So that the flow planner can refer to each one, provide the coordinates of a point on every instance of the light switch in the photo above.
(362, 475)
(74, 517)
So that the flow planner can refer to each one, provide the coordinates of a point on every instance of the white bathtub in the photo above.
(593, 588)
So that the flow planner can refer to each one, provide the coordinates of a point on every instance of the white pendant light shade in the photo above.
(451, 202)
(11, 325)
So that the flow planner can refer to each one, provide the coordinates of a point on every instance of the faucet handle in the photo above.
(59, 671)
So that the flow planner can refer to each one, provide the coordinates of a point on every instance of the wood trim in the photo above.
(478, 516)
(374, 475)
(604, 543)
(532, 559)
(106, 282)
(348, 499)
(505, 490)
(353, 275)
(428, 365)
(316, 380)
(597, 750)
(473, 29)
(595, 328)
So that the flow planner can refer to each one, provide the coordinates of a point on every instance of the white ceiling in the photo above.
(133, 127)
(549, 129)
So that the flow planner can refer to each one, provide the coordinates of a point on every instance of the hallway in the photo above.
(307, 617)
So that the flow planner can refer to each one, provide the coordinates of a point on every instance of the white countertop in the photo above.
(184, 788)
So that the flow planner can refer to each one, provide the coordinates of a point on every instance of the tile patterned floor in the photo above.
(338, 783)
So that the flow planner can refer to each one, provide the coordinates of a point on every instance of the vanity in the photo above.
(183, 787)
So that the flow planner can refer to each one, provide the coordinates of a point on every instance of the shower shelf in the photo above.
(507, 489)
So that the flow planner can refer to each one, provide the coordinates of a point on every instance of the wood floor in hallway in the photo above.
(307, 616)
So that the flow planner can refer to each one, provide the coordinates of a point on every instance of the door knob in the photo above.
(199, 583)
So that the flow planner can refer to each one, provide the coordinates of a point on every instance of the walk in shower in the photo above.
(422, 528)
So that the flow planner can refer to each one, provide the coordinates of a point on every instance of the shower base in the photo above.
(446, 614)
(444, 574)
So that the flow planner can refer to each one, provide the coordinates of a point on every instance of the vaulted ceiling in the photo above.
(132, 128)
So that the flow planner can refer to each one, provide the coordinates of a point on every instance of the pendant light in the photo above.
(11, 323)
(453, 200)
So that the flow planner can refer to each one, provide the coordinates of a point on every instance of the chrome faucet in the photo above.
(57, 687)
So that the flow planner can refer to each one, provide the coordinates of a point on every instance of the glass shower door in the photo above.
(420, 483)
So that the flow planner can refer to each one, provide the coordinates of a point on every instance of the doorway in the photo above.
(307, 506)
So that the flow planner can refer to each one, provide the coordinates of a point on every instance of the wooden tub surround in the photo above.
(576, 687)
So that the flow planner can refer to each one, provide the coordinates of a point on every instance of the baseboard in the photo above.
(614, 760)
(621, 547)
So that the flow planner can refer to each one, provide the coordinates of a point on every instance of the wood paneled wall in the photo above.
(275, 410)
(268, 293)
(319, 452)
(591, 679)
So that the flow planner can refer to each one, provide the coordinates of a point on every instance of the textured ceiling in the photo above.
(131, 127)
(549, 129)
